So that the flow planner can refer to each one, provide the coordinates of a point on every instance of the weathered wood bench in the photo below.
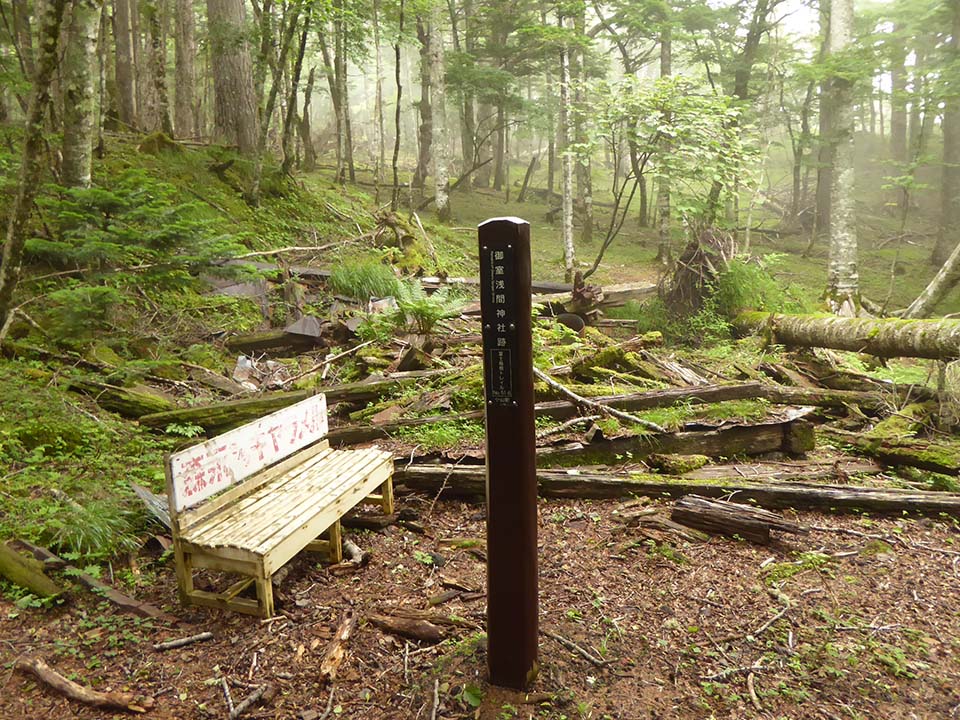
(248, 501)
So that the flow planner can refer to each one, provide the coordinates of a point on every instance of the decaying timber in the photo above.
(470, 482)
(128, 402)
(26, 572)
(720, 517)
(941, 457)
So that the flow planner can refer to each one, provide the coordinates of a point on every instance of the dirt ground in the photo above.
(862, 624)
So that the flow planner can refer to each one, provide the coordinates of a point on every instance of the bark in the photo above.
(947, 234)
(23, 35)
(235, 105)
(306, 134)
(720, 517)
(825, 147)
(185, 118)
(584, 169)
(569, 252)
(123, 66)
(79, 96)
(345, 139)
(337, 647)
(843, 280)
(128, 402)
(470, 482)
(936, 457)
(441, 178)
(938, 339)
(381, 136)
(31, 162)
(425, 107)
(158, 66)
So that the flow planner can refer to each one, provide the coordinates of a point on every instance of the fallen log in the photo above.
(411, 628)
(783, 471)
(613, 296)
(273, 340)
(564, 410)
(470, 483)
(26, 573)
(123, 601)
(79, 693)
(720, 517)
(128, 402)
(217, 416)
(937, 339)
(935, 457)
(337, 648)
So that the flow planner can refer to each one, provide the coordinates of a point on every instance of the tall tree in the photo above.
(306, 135)
(947, 229)
(153, 13)
(80, 92)
(185, 118)
(569, 252)
(440, 139)
(291, 114)
(235, 106)
(664, 251)
(425, 106)
(843, 280)
(50, 18)
(898, 95)
(123, 64)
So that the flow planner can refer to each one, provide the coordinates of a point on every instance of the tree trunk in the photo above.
(306, 135)
(235, 105)
(584, 169)
(898, 102)
(664, 247)
(499, 147)
(425, 133)
(379, 129)
(23, 34)
(395, 198)
(79, 97)
(158, 65)
(343, 91)
(290, 119)
(945, 280)
(186, 56)
(32, 158)
(569, 253)
(843, 281)
(825, 147)
(123, 64)
(441, 178)
(939, 339)
(947, 230)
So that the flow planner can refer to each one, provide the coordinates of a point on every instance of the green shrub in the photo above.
(416, 311)
(748, 284)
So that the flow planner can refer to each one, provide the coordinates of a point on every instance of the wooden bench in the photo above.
(248, 501)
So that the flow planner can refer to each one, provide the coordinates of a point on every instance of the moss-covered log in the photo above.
(26, 572)
(128, 402)
(939, 339)
(230, 413)
(941, 457)
(470, 482)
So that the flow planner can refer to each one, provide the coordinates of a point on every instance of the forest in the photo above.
(225, 220)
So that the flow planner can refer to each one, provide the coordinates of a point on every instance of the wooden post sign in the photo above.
(511, 452)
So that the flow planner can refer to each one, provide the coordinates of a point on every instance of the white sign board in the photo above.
(201, 471)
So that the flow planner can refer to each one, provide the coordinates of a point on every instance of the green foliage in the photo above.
(443, 435)
(749, 284)
(364, 279)
(416, 311)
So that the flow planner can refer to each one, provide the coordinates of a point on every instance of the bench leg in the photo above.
(336, 542)
(184, 568)
(265, 596)
(386, 496)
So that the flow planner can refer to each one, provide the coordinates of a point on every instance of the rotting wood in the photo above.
(337, 647)
(123, 601)
(264, 693)
(938, 339)
(26, 573)
(411, 628)
(74, 691)
(720, 517)
(470, 482)
(935, 457)
(183, 642)
(563, 410)
(795, 470)
(229, 413)
(128, 402)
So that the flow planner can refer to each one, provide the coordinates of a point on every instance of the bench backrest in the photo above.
(201, 471)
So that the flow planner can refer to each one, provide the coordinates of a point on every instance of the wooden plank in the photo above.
(216, 600)
(201, 471)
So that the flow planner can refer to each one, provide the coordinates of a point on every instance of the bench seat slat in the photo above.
(269, 512)
(262, 502)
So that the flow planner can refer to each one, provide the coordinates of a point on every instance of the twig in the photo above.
(753, 693)
(728, 672)
(171, 644)
(436, 698)
(280, 251)
(326, 713)
(595, 405)
(326, 362)
(251, 700)
(226, 694)
(79, 693)
(566, 425)
(570, 645)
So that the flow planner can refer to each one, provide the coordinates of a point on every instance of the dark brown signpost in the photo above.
(511, 452)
